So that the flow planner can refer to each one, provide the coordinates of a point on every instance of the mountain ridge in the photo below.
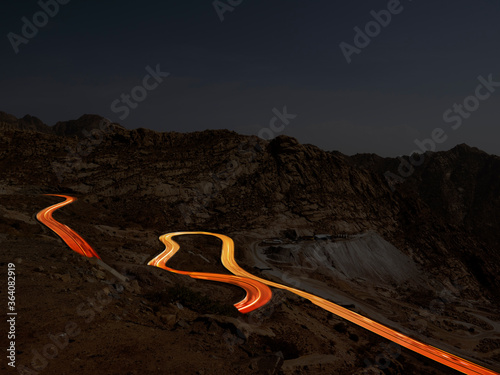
(75, 127)
(426, 247)
(220, 179)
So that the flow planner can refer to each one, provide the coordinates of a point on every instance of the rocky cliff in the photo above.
(444, 217)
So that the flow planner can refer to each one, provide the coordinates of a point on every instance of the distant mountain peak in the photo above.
(76, 127)
(465, 148)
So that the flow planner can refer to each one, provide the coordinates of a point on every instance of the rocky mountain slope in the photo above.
(134, 185)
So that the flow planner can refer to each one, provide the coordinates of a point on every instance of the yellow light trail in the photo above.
(257, 295)
(227, 258)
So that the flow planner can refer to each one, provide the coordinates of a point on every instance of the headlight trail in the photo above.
(227, 258)
(257, 295)
(68, 235)
(257, 289)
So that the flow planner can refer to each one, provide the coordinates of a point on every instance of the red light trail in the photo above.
(227, 258)
(68, 235)
(257, 289)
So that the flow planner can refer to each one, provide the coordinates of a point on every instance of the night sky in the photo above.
(263, 55)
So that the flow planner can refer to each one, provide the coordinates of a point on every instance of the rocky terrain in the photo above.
(421, 256)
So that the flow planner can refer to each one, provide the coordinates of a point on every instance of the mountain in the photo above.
(78, 127)
(440, 224)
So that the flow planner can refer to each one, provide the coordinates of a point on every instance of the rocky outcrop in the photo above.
(439, 226)
(446, 211)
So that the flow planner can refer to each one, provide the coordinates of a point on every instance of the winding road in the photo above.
(258, 294)
(68, 235)
(257, 289)
(229, 262)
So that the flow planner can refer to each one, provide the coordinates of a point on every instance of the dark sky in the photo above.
(264, 55)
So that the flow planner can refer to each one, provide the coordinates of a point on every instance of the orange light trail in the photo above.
(257, 295)
(68, 235)
(227, 258)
